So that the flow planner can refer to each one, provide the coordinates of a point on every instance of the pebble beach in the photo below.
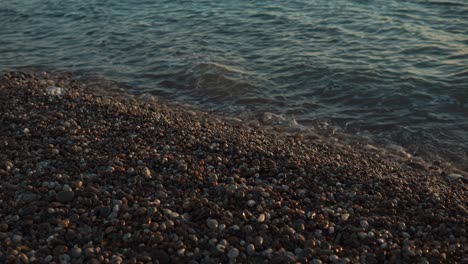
(87, 177)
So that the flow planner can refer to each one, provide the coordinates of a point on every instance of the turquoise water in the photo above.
(394, 71)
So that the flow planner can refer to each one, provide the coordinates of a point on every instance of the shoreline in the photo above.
(143, 182)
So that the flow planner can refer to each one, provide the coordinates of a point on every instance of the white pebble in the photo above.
(181, 252)
(344, 217)
(220, 248)
(261, 218)
(146, 172)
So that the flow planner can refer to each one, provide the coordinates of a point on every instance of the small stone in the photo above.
(65, 258)
(17, 239)
(151, 211)
(116, 259)
(344, 217)
(334, 258)
(259, 241)
(29, 197)
(267, 252)
(362, 235)
(8, 165)
(402, 226)
(408, 251)
(24, 258)
(220, 248)
(65, 196)
(212, 224)
(316, 261)
(127, 236)
(364, 224)
(213, 178)
(48, 259)
(261, 218)
(145, 258)
(181, 252)
(251, 203)
(221, 227)
(182, 167)
(250, 249)
(424, 261)
(146, 172)
(110, 169)
(76, 252)
(233, 253)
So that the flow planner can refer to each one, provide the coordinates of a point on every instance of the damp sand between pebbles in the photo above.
(92, 178)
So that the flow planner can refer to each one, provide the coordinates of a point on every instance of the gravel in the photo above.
(90, 177)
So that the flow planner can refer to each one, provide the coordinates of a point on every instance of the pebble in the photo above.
(344, 217)
(181, 252)
(76, 252)
(220, 248)
(261, 218)
(65, 196)
(334, 258)
(8, 165)
(233, 253)
(146, 172)
(65, 258)
(250, 249)
(17, 239)
(259, 241)
(212, 224)
(24, 258)
(213, 178)
(364, 224)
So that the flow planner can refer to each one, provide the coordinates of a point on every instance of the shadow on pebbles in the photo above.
(92, 178)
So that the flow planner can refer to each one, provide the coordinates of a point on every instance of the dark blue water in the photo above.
(393, 71)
